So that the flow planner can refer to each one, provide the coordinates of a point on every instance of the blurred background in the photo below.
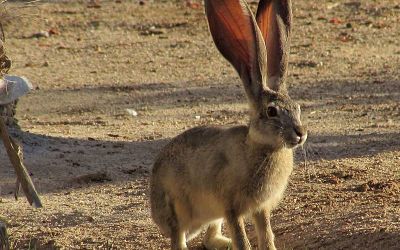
(115, 80)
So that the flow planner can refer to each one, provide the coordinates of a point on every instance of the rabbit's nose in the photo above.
(301, 133)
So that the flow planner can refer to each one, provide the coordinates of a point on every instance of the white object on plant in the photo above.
(12, 88)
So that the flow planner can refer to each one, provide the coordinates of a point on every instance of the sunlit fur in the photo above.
(277, 131)
(207, 175)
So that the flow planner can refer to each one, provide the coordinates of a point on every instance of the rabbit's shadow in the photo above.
(331, 147)
(57, 164)
(335, 239)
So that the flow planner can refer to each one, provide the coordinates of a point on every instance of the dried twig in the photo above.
(4, 243)
(15, 154)
(14, 151)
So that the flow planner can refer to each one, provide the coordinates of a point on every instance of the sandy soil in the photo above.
(91, 160)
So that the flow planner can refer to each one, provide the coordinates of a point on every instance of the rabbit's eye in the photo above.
(272, 111)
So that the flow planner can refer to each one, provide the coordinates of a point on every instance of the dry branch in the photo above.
(13, 149)
(15, 154)
(4, 243)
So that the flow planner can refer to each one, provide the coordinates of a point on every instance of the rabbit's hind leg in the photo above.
(178, 236)
(214, 238)
(178, 240)
(177, 224)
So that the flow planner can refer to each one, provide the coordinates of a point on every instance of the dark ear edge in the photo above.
(274, 18)
(238, 38)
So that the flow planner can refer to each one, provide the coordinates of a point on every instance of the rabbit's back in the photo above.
(219, 161)
(197, 156)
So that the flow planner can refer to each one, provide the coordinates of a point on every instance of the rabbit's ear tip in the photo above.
(274, 19)
(237, 36)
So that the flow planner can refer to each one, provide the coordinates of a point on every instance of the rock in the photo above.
(152, 31)
(132, 112)
(40, 34)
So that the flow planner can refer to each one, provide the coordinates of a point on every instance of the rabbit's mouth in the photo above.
(296, 140)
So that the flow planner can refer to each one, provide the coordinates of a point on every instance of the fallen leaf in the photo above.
(94, 4)
(53, 31)
(335, 20)
(192, 5)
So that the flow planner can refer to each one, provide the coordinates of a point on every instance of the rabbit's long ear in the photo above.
(274, 18)
(238, 38)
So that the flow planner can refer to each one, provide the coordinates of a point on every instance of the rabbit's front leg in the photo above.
(237, 231)
(178, 240)
(265, 235)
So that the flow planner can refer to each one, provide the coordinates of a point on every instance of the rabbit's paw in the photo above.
(218, 243)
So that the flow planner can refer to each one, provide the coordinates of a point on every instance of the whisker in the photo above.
(305, 162)
(311, 172)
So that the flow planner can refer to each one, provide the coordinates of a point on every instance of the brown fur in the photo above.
(207, 174)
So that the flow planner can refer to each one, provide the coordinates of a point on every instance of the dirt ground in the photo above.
(91, 160)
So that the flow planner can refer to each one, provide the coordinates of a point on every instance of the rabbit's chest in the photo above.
(274, 187)
(268, 183)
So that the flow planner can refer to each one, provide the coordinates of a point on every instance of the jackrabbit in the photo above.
(208, 174)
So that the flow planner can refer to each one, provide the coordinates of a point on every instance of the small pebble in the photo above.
(132, 112)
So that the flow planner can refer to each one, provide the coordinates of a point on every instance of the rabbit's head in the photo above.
(277, 122)
(258, 48)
